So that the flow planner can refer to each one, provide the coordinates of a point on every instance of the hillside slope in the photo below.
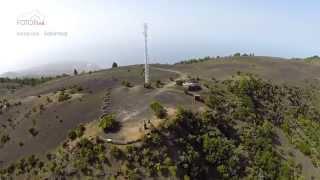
(39, 108)
(294, 72)
(242, 127)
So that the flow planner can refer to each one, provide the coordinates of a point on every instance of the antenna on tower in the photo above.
(146, 66)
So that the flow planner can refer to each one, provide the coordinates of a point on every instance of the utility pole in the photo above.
(146, 66)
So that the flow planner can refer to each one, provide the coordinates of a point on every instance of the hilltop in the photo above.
(256, 116)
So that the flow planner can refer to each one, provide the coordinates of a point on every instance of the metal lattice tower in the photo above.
(146, 66)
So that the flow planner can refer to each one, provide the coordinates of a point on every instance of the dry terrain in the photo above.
(37, 122)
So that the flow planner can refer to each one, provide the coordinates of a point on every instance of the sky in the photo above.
(101, 32)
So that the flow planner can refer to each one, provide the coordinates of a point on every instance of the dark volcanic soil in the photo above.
(57, 118)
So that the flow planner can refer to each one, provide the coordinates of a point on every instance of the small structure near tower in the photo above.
(192, 86)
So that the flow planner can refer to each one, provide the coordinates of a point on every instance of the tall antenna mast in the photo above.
(146, 66)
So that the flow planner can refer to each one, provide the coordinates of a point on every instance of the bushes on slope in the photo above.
(158, 110)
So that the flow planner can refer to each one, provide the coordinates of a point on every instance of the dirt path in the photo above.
(181, 74)
(159, 91)
(131, 132)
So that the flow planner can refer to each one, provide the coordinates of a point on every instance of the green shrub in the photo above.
(80, 130)
(77, 133)
(304, 148)
(26, 81)
(108, 122)
(147, 86)
(79, 88)
(41, 107)
(72, 135)
(76, 88)
(116, 152)
(33, 132)
(75, 72)
(4, 139)
(21, 144)
(179, 82)
(63, 96)
(237, 54)
(114, 65)
(126, 83)
(159, 84)
(158, 109)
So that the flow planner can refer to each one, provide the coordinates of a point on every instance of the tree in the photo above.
(237, 54)
(159, 84)
(72, 135)
(77, 133)
(108, 122)
(114, 65)
(75, 72)
(4, 139)
(33, 132)
(158, 109)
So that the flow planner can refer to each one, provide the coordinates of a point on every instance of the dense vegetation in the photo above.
(26, 81)
(312, 59)
(207, 58)
(232, 139)
(195, 60)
